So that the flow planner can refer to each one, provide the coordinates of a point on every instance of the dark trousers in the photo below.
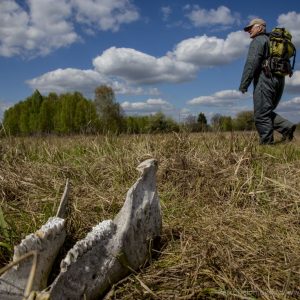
(266, 96)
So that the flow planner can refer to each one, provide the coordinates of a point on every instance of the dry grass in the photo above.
(231, 226)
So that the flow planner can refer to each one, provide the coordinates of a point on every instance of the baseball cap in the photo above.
(253, 22)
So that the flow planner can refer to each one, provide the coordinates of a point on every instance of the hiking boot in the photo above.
(289, 135)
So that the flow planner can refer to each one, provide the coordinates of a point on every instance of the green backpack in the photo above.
(281, 50)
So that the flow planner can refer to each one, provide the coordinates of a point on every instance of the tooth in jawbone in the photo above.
(47, 241)
(30, 242)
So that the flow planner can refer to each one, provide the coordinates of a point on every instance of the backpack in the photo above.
(281, 50)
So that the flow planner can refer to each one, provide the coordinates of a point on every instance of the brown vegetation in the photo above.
(230, 208)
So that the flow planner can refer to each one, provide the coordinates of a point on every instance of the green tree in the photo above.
(160, 123)
(244, 121)
(24, 110)
(57, 107)
(33, 104)
(202, 122)
(11, 120)
(226, 123)
(216, 121)
(92, 124)
(85, 116)
(132, 125)
(137, 124)
(65, 114)
(109, 111)
(222, 123)
(46, 116)
(191, 124)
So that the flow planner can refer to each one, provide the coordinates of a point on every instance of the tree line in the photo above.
(72, 113)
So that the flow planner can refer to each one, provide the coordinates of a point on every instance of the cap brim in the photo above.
(247, 28)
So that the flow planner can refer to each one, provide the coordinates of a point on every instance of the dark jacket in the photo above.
(258, 52)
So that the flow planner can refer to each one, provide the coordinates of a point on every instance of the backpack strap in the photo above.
(266, 62)
(294, 59)
(267, 36)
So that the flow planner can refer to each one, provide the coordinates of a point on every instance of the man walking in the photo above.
(267, 88)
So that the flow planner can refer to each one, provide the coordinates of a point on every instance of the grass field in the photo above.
(231, 208)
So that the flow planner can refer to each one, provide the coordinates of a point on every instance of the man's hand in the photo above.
(243, 91)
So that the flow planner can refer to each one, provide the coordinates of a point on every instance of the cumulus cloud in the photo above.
(49, 25)
(221, 98)
(292, 105)
(290, 109)
(67, 80)
(293, 83)
(125, 68)
(185, 113)
(105, 14)
(139, 67)
(166, 12)
(13, 24)
(148, 106)
(178, 65)
(207, 17)
(37, 32)
(291, 21)
(211, 51)
(85, 81)
(4, 105)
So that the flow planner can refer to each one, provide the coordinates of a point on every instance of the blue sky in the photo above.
(178, 57)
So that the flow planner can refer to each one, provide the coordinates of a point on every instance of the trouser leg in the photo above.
(267, 94)
(281, 124)
(263, 109)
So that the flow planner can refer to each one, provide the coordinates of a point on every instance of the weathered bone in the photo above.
(113, 248)
(108, 253)
(46, 241)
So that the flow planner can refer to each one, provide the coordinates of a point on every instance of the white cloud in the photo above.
(122, 88)
(291, 21)
(37, 32)
(84, 81)
(293, 83)
(203, 18)
(185, 112)
(13, 25)
(292, 105)
(149, 106)
(221, 98)
(211, 51)
(123, 68)
(49, 25)
(166, 11)
(139, 67)
(290, 109)
(4, 105)
(105, 14)
(180, 65)
(68, 80)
